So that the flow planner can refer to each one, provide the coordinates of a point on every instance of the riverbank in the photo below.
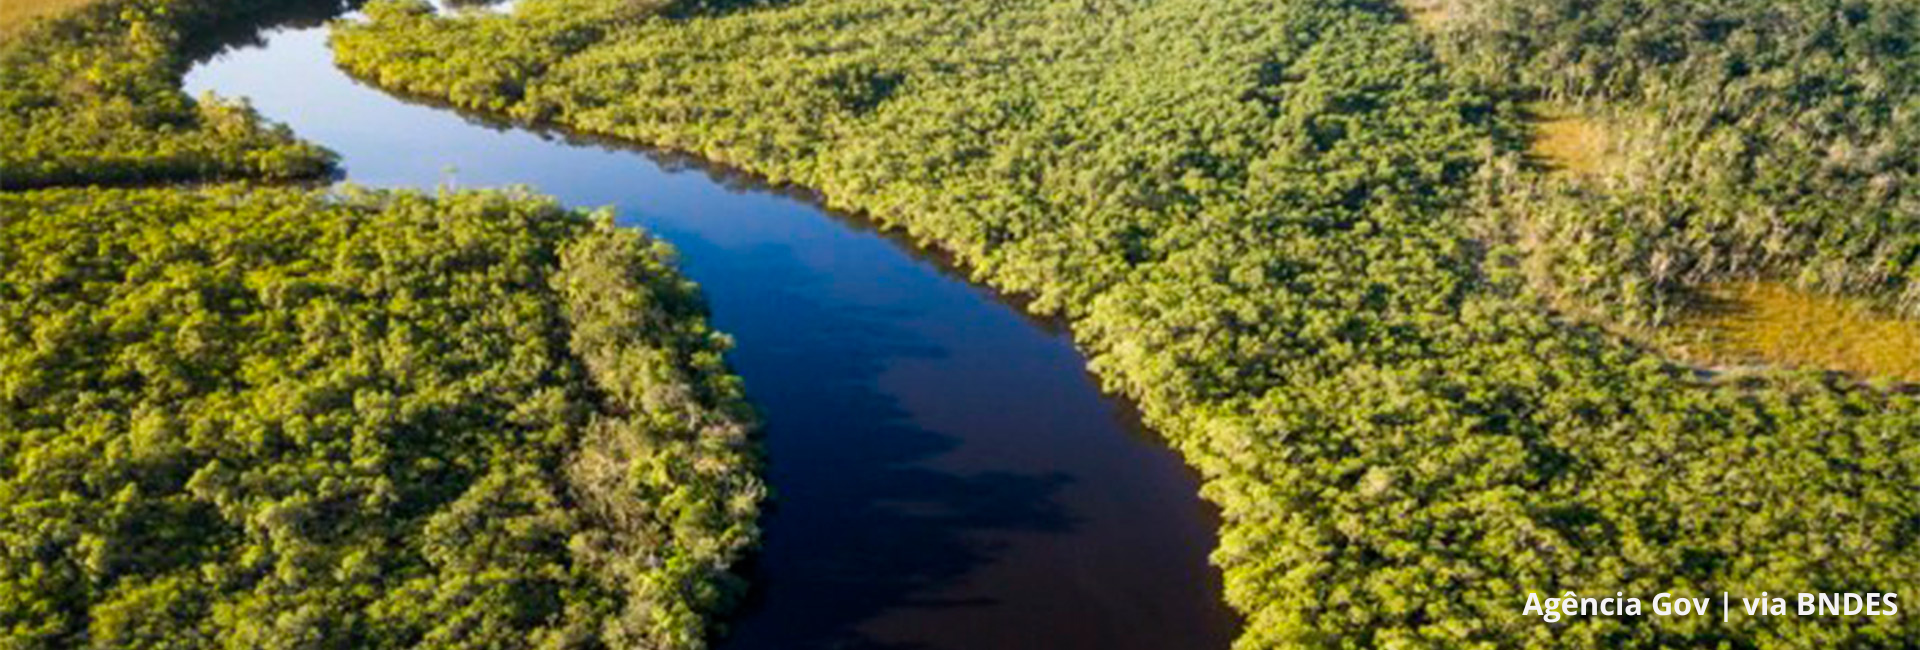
(1254, 213)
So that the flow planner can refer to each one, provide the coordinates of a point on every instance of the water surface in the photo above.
(947, 475)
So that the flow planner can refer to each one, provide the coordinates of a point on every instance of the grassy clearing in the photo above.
(1772, 324)
(17, 14)
(1430, 15)
(1570, 143)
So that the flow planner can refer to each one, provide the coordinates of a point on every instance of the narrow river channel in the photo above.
(947, 474)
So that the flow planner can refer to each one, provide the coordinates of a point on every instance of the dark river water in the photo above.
(947, 474)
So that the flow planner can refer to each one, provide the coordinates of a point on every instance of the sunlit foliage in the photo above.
(282, 419)
(1257, 215)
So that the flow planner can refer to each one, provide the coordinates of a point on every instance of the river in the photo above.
(947, 474)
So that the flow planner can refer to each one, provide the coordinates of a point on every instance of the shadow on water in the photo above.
(250, 29)
(861, 525)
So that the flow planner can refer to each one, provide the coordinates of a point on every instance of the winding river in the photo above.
(947, 474)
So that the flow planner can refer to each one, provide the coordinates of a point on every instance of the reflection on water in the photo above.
(947, 474)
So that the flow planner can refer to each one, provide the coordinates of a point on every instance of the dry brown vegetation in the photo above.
(1758, 323)
(1430, 15)
(1568, 142)
(15, 14)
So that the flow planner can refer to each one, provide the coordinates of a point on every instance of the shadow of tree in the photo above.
(683, 9)
(861, 525)
(249, 29)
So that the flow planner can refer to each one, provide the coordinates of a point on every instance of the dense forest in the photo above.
(279, 418)
(93, 96)
(1266, 221)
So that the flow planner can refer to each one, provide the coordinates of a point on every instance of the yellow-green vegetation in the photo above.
(94, 97)
(16, 15)
(1256, 215)
(1768, 323)
(282, 419)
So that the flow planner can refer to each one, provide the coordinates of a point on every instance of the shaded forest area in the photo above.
(1266, 220)
(258, 416)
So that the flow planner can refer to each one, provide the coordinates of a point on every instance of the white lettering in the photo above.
(1667, 605)
(1765, 605)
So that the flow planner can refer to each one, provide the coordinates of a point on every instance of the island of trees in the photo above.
(243, 414)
